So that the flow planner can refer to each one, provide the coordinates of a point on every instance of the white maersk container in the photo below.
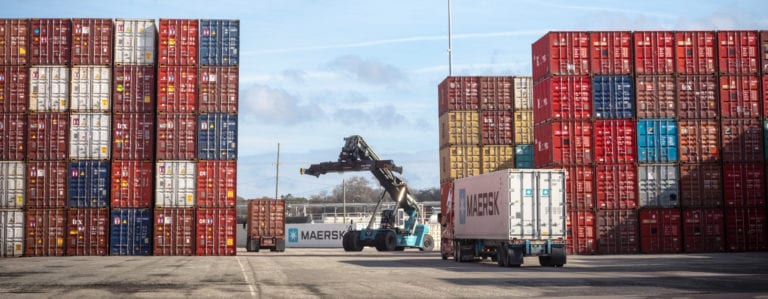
(175, 184)
(135, 42)
(12, 178)
(90, 136)
(48, 88)
(90, 90)
(11, 233)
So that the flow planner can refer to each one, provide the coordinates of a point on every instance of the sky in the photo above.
(313, 72)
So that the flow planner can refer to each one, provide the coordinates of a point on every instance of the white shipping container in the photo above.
(48, 88)
(315, 235)
(135, 42)
(523, 95)
(90, 89)
(12, 187)
(89, 136)
(11, 233)
(526, 204)
(659, 185)
(175, 184)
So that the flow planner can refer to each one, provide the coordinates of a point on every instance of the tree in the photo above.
(358, 189)
(431, 194)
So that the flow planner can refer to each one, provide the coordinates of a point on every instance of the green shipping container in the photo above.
(524, 156)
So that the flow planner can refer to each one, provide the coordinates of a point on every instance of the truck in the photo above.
(265, 225)
(399, 227)
(506, 215)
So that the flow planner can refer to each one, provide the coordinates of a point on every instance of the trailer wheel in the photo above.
(428, 244)
(557, 258)
(515, 256)
(457, 251)
(544, 261)
(354, 241)
(378, 242)
(501, 256)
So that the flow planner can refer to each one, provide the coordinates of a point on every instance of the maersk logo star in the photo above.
(293, 235)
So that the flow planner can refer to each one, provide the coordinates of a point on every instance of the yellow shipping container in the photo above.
(459, 161)
(497, 157)
(523, 127)
(523, 93)
(460, 128)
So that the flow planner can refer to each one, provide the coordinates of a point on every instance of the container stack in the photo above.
(523, 126)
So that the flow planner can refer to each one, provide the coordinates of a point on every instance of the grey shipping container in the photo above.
(135, 42)
(90, 136)
(11, 233)
(659, 185)
(12, 184)
(49, 88)
(91, 89)
(175, 184)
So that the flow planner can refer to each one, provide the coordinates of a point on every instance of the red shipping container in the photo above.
(695, 52)
(13, 133)
(87, 232)
(701, 185)
(132, 183)
(562, 97)
(459, 93)
(580, 187)
(611, 52)
(744, 184)
(176, 136)
(616, 186)
(697, 97)
(617, 231)
(446, 190)
(50, 43)
(92, 41)
(216, 231)
(703, 230)
(45, 232)
(660, 231)
(562, 143)
(14, 41)
(655, 95)
(763, 50)
(219, 89)
(133, 136)
(174, 231)
(47, 184)
(496, 93)
(740, 96)
(178, 42)
(737, 52)
(615, 141)
(176, 89)
(216, 183)
(765, 93)
(560, 53)
(133, 90)
(654, 52)
(745, 229)
(497, 127)
(742, 140)
(14, 81)
(48, 136)
(699, 140)
(580, 232)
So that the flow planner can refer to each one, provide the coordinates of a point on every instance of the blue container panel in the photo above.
(524, 156)
(657, 140)
(219, 42)
(89, 184)
(130, 232)
(613, 97)
(217, 137)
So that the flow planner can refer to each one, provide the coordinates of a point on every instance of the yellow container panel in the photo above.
(459, 161)
(460, 128)
(523, 127)
(497, 157)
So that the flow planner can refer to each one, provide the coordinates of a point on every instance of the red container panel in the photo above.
(497, 127)
(176, 136)
(703, 230)
(660, 231)
(699, 140)
(744, 184)
(701, 185)
(45, 232)
(562, 97)
(446, 189)
(174, 231)
(132, 183)
(580, 187)
(133, 136)
(87, 232)
(617, 231)
(219, 89)
(655, 96)
(14, 41)
(216, 231)
(92, 41)
(459, 93)
(48, 136)
(266, 221)
(763, 49)
(697, 97)
(14, 81)
(561, 53)
(178, 42)
(176, 89)
(47, 184)
(562, 143)
(615, 141)
(742, 140)
(216, 183)
(496, 93)
(580, 232)
(745, 229)
(616, 186)
(50, 41)
(737, 52)
(13, 129)
(611, 52)
(654, 52)
(740, 96)
(133, 89)
(765, 93)
(695, 52)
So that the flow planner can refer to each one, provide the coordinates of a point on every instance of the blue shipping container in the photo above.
(89, 184)
(657, 140)
(217, 137)
(219, 42)
(613, 97)
(524, 156)
(130, 232)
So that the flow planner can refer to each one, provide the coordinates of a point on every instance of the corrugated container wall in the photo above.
(703, 230)
(611, 52)
(48, 89)
(133, 136)
(613, 97)
(175, 184)
(655, 96)
(47, 184)
(91, 90)
(695, 52)
(178, 42)
(266, 221)
(742, 140)
(524, 156)
(219, 89)
(458, 93)
(216, 231)
(88, 184)
(133, 90)
(744, 184)
(657, 140)
(219, 42)
(135, 42)
(176, 89)
(132, 184)
(87, 232)
(459, 161)
(92, 41)
(654, 52)
(496, 127)
(216, 183)
(13, 129)
(740, 96)
(130, 232)
(580, 188)
(14, 89)
(45, 232)
(660, 231)
(13, 185)
(763, 50)
(174, 231)
(581, 232)
(496, 93)
(90, 136)
(50, 43)
(701, 185)
(14, 41)
(176, 136)
(48, 136)
(563, 143)
(699, 140)
(765, 92)
(697, 97)
(217, 137)
(11, 233)
(497, 157)
(745, 229)
(615, 141)
(560, 53)
(617, 232)
(523, 93)
(616, 186)
(460, 128)
(659, 185)
(523, 126)
(737, 52)
(562, 97)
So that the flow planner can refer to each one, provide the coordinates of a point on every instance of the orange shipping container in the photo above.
(655, 96)
(697, 97)
(699, 140)
(695, 52)
(266, 225)
(654, 52)
(737, 52)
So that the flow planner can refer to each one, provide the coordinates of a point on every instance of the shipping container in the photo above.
(703, 230)
(654, 52)
(133, 136)
(458, 93)
(219, 42)
(497, 157)
(459, 161)
(92, 41)
(14, 41)
(562, 143)
(524, 156)
(742, 140)
(460, 128)
(217, 137)
(562, 97)
(174, 231)
(176, 136)
(217, 231)
(132, 184)
(45, 232)
(47, 184)
(90, 136)
(615, 141)
(656, 96)
(660, 231)
(765, 138)
(657, 140)
(765, 92)
(740, 96)
(744, 184)
(175, 184)
(219, 89)
(697, 97)
(13, 184)
(48, 88)
(11, 233)
(177, 89)
(130, 232)
(523, 126)
(763, 50)
(701, 185)
(695, 52)
(133, 89)
(560, 53)
(90, 89)
(88, 184)
(745, 229)
(699, 140)
(614, 96)
(659, 185)
(737, 52)
(523, 93)
(50, 41)
(14, 89)
(581, 232)
(497, 127)
(135, 42)
(617, 231)
(580, 188)
(446, 189)
(48, 136)
(496, 93)
(216, 184)
(13, 129)
(266, 224)
(87, 232)
(616, 186)
(611, 52)
(178, 42)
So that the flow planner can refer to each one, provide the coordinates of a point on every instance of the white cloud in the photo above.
(369, 71)
(265, 104)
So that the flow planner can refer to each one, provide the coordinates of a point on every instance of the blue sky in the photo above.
(313, 72)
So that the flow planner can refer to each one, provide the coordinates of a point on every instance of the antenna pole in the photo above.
(450, 48)
(277, 171)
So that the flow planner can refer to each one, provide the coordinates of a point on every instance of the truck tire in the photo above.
(345, 241)
(557, 257)
(390, 241)
(355, 244)
(280, 246)
(428, 244)
(457, 251)
(515, 256)
(378, 241)
(544, 261)
(253, 245)
(501, 256)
